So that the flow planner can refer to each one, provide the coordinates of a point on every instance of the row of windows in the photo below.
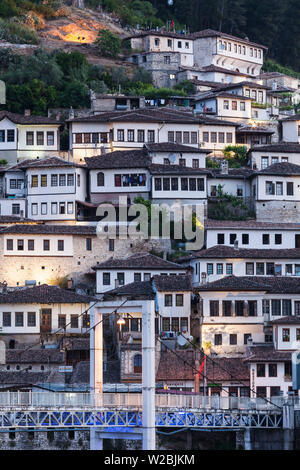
(170, 43)
(272, 369)
(265, 162)
(55, 180)
(91, 138)
(266, 237)
(18, 318)
(277, 188)
(183, 137)
(234, 105)
(240, 308)
(174, 324)
(169, 300)
(239, 49)
(256, 95)
(218, 339)
(135, 136)
(7, 136)
(271, 269)
(215, 137)
(172, 184)
(54, 208)
(215, 192)
(137, 277)
(134, 179)
(20, 245)
(39, 138)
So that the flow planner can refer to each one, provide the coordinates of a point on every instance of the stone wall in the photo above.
(45, 440)
(278, 211)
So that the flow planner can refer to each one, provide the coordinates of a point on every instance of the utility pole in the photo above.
(148, 375)
(96, 371)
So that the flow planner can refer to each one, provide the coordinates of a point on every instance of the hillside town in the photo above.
(227, 314)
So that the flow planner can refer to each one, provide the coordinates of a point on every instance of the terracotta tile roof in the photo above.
(223, 251)
(143, 288)
(138, 261)
(285, 169)
(254, 130)
(44, 163)
(221, 94)
(251, 224)
(51, 229)
(292, 319)
(243, 84)
(40, 356)
(22, 119)
(282, 147)
(172, 283)
(271, 284)
(222, 369)
(174, 147)
(267, 353)
(11, 219)
(242, 172)
(23, 378)
(43, 294)
(120, 159)
(295, 117)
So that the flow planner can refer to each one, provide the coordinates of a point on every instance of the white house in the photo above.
(224, 105)
(291, 128)
(25, 136)
(263, 156)
(138, 267)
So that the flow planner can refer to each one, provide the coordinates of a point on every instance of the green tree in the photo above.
(34, 95)
(8, 8)
(75, 94)
(109, 44)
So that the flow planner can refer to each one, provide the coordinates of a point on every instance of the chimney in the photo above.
(274, 85)
(27, 112)
(224, 167)
(236, 244)
(116, 283)
(103, 151)
(71, 113)
(203, 277)
(70, 283)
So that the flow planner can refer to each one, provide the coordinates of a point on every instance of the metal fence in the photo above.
(134, 401)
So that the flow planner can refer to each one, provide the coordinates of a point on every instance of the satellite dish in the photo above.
(172, 158)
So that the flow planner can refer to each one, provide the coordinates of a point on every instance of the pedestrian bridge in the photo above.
(38, 410)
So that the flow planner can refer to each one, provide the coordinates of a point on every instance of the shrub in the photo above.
(109, 44)
(17, 33)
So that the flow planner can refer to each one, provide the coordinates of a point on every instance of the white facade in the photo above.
(291, 130)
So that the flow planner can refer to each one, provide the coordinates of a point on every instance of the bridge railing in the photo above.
(66, 400)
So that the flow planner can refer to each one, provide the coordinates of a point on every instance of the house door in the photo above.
(46, 314)
(297, 241)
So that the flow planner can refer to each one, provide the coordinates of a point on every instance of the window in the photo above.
(260, 370)
(252, 308)
(179, 45)
(168, 300)
(121, 279)
(239, 308)
(221, 137)
(10, 135)
(219, 268)
(34, 208)
(229, 137)
(221, 238)
(297, 307)
(226, 104)
(137, 277)
(242, 106)
(78, 138)
(286, 307)
(261, 392)
(70, 179)
(232, 339)
(34, 181)
(178, 137)
(87, 138)
(285, 335)
(276, 307)
(279, 188)
(186, 137)
(95, 138)
(260, 269)
(111, 244)
(266, 239)
(20, 245)
(290, 189)
(147, 277)
(167, 59)
(166, 184)
(40, 138)
(100, 179)
(289, 269)
(31, 321)
(137, 364)
(227, 308)
(15, 209)
(234, 105)
(179, 300)
(62, 321)
(43, 181)
(19, 319)
(70, 207)
(210, 268)
(272, 370)
(54, 180)
(141, 135)
(60, 245)
(9, 244)
(169, 43)
(120, 135)
(46, 245)
(53, 208)
(74, 321)
(88, 244)
(228, 268)
(214, 308)
(264, 162)
(156, 41)
(249, 269)
(278, 239)
(151, 136)
(213, 137)
(194, 137)
(29, 138)
(245, 239)
(270, 269)
(270, 188)
(30, 245)
(44, 208)
(130, 135)
(195, 163)
(62, 209)
(6, 319)
(205, 136)
(106, 279)
(232, 238)
(174, 184)
(171, 136)
(288, 369)
(50, 138)
(62, 180)
(181, 161)
(2, 136)
(218, 340)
